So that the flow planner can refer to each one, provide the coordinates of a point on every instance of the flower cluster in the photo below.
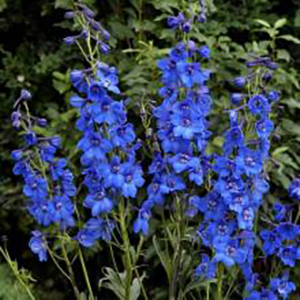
(108, 147)
(230, 208)
(184, 24)
(48, 182)
(91, 29)
(182, 129)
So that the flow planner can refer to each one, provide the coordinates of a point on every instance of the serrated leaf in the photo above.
(280, 23)
(289, 38)
(262, 22)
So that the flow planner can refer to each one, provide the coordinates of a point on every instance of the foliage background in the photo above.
(33, 56)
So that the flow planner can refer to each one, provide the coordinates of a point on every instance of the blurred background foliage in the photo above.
(32, 56)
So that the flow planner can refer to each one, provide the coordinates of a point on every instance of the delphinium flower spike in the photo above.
(108, 142)
(48, 182)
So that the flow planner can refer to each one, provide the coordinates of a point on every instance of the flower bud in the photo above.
(186, 27)
(17, 155)
(25, 95)
(69, 40)
(42, 122)
(69, 15)
(239, 82)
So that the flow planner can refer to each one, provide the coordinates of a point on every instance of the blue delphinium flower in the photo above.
(283, 286)
(294, 189)
(38, 246)
(206, 268)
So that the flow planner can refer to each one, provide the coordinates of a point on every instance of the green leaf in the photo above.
(280, 23)
(164, 258)
(290, 127)
(283, 55)
(67, 4)
(297, 19)
(263, 23)
(279, 150)
(289, 38)
(292, 103)
(3, 5)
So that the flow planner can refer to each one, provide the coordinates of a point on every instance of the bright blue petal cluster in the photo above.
(230, 208)
(108, 149)
(182, 129)
(48, 182)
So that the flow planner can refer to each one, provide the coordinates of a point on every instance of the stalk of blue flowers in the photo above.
(126, 248)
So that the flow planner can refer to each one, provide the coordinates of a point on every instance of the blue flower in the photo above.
(30, 138)
(263, 295)
(288, 255)
(236, 98)
(230, 253)
(259, 105)
(57, 168)
(141, 223)
(233, 138)
(95, 229)
(35, 187)
(183, 162)
(94, 147)
(206, 268)
(171, 183)
(122, 135)
(109, 111)
(62, 210)
(264, 128)
(288, 231)
(239, 82)
(273, 96)
(38, 246)
(186, 126)
(111, 173)
(246, 218)
(109, 81)
(158, 164)
(249, 162)
(204, 51)
(179, 53)
(271, 241)
(294, 189)
(42, 211)
(190, 74)
(132, 179)
(98, 202)
(170, 75)
(283, 286)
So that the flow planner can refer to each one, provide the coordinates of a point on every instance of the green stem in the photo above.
(126, 247)
(220, 282)
(298, 215)
(207, 290)
(177, 257)
(70, 270)
(57, 264)
(16, 273)
(86, 276)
